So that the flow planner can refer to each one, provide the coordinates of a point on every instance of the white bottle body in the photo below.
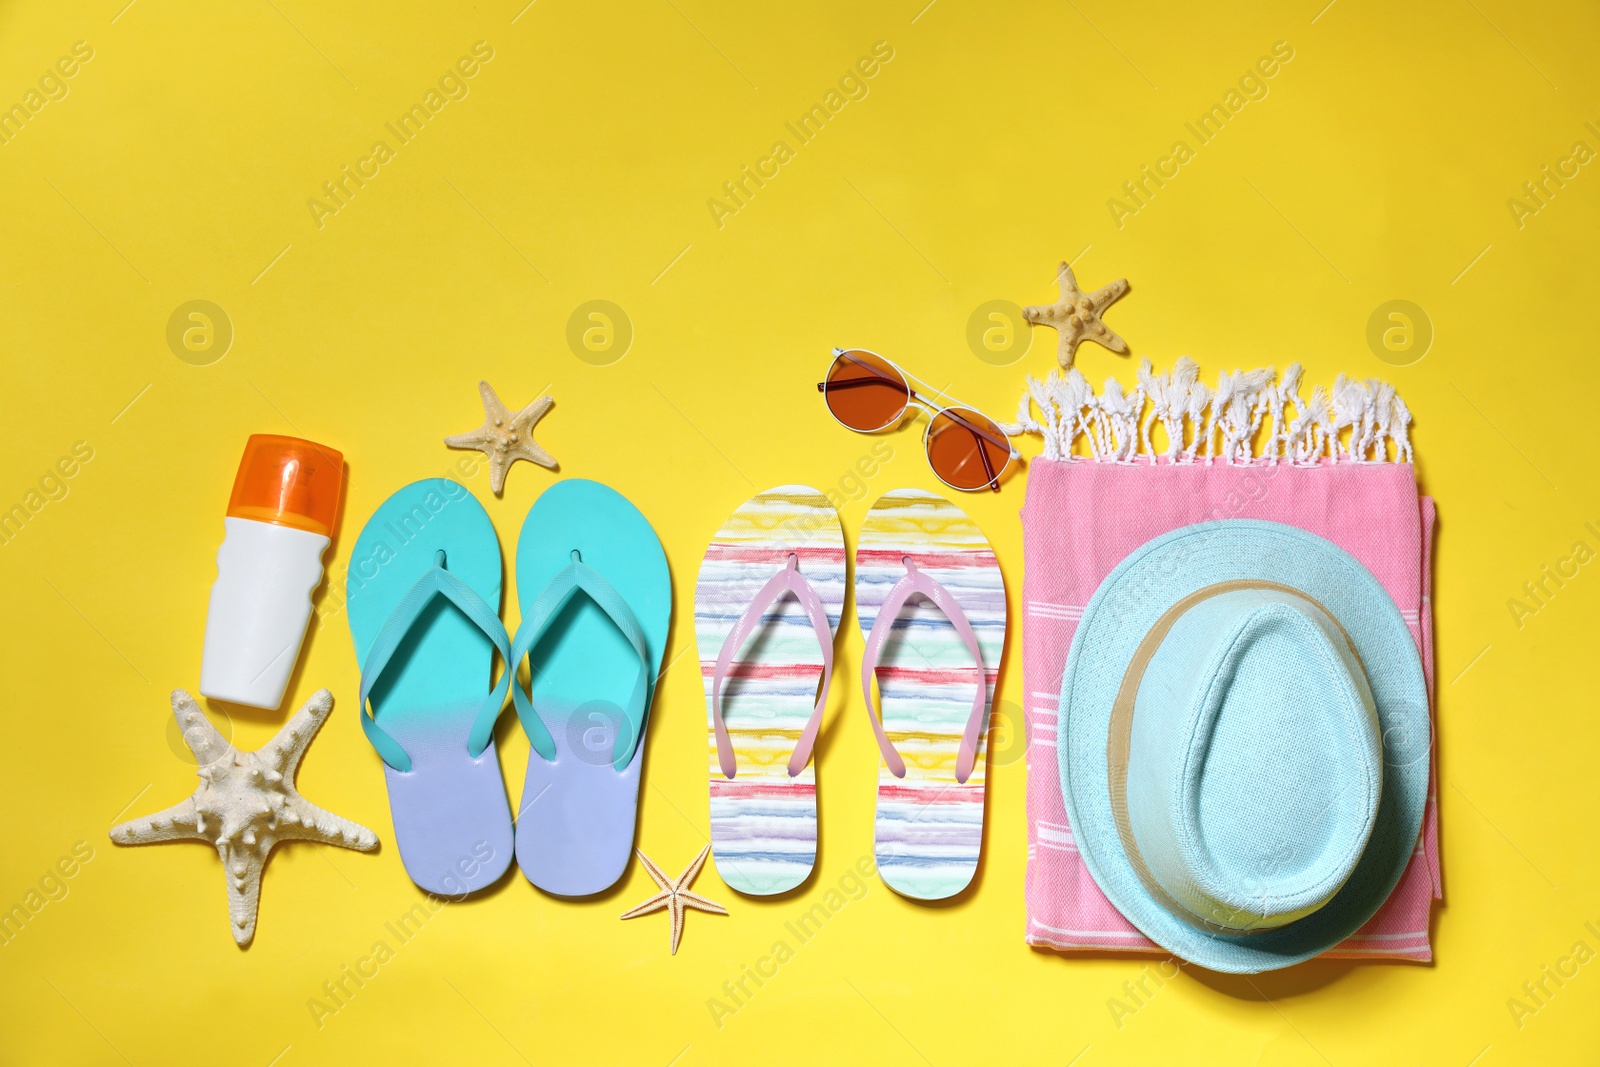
(260, 605)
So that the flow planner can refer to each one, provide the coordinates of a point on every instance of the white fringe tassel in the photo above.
(1354, 423)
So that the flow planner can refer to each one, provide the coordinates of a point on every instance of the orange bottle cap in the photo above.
(288, 482)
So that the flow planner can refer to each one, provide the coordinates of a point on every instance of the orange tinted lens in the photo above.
(864, 391)
(966, 449)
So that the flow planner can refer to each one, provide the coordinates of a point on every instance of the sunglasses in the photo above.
(867, 393)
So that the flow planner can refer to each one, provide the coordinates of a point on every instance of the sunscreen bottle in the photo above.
(281, 517)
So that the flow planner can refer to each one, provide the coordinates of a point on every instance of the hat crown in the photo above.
(1254, 764)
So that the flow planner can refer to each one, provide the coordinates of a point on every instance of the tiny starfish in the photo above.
(504, 437)
(675, 895)
(1077, 316)
(246, 803)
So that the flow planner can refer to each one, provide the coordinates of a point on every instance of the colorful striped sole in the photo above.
(929, 828)
(764, 822)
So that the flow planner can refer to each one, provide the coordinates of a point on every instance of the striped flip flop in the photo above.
(932, 605)
(767, 605)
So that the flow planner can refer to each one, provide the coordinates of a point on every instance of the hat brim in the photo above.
(1119, 615)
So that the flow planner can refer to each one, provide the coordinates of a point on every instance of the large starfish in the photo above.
(504, 437)
(1077, 316)
(246, 803)
(675, 895)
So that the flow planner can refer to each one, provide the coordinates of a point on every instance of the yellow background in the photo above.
(579, 167)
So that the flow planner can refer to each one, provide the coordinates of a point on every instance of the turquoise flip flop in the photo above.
(423, 595)
(596, 600)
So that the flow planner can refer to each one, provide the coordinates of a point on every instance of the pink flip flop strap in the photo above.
(913, 583)
(791, 580)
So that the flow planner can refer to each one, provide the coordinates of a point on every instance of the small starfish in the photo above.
(675, 895)
(246, 803)
(1077, 316)
(504, 437)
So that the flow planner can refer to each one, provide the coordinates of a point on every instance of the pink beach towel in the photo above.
(1081, 517)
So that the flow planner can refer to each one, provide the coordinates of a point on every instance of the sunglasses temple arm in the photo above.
(981, 436)
(851, 383)
(988, 468)
(977, 431)
(893, 379)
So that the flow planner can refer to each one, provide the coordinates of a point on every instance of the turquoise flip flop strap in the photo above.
(572, 578)
(436, 582)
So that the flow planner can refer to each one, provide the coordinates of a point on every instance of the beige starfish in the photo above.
(246, 803)
(504, 437)
(1077, 316)
(675, 895)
